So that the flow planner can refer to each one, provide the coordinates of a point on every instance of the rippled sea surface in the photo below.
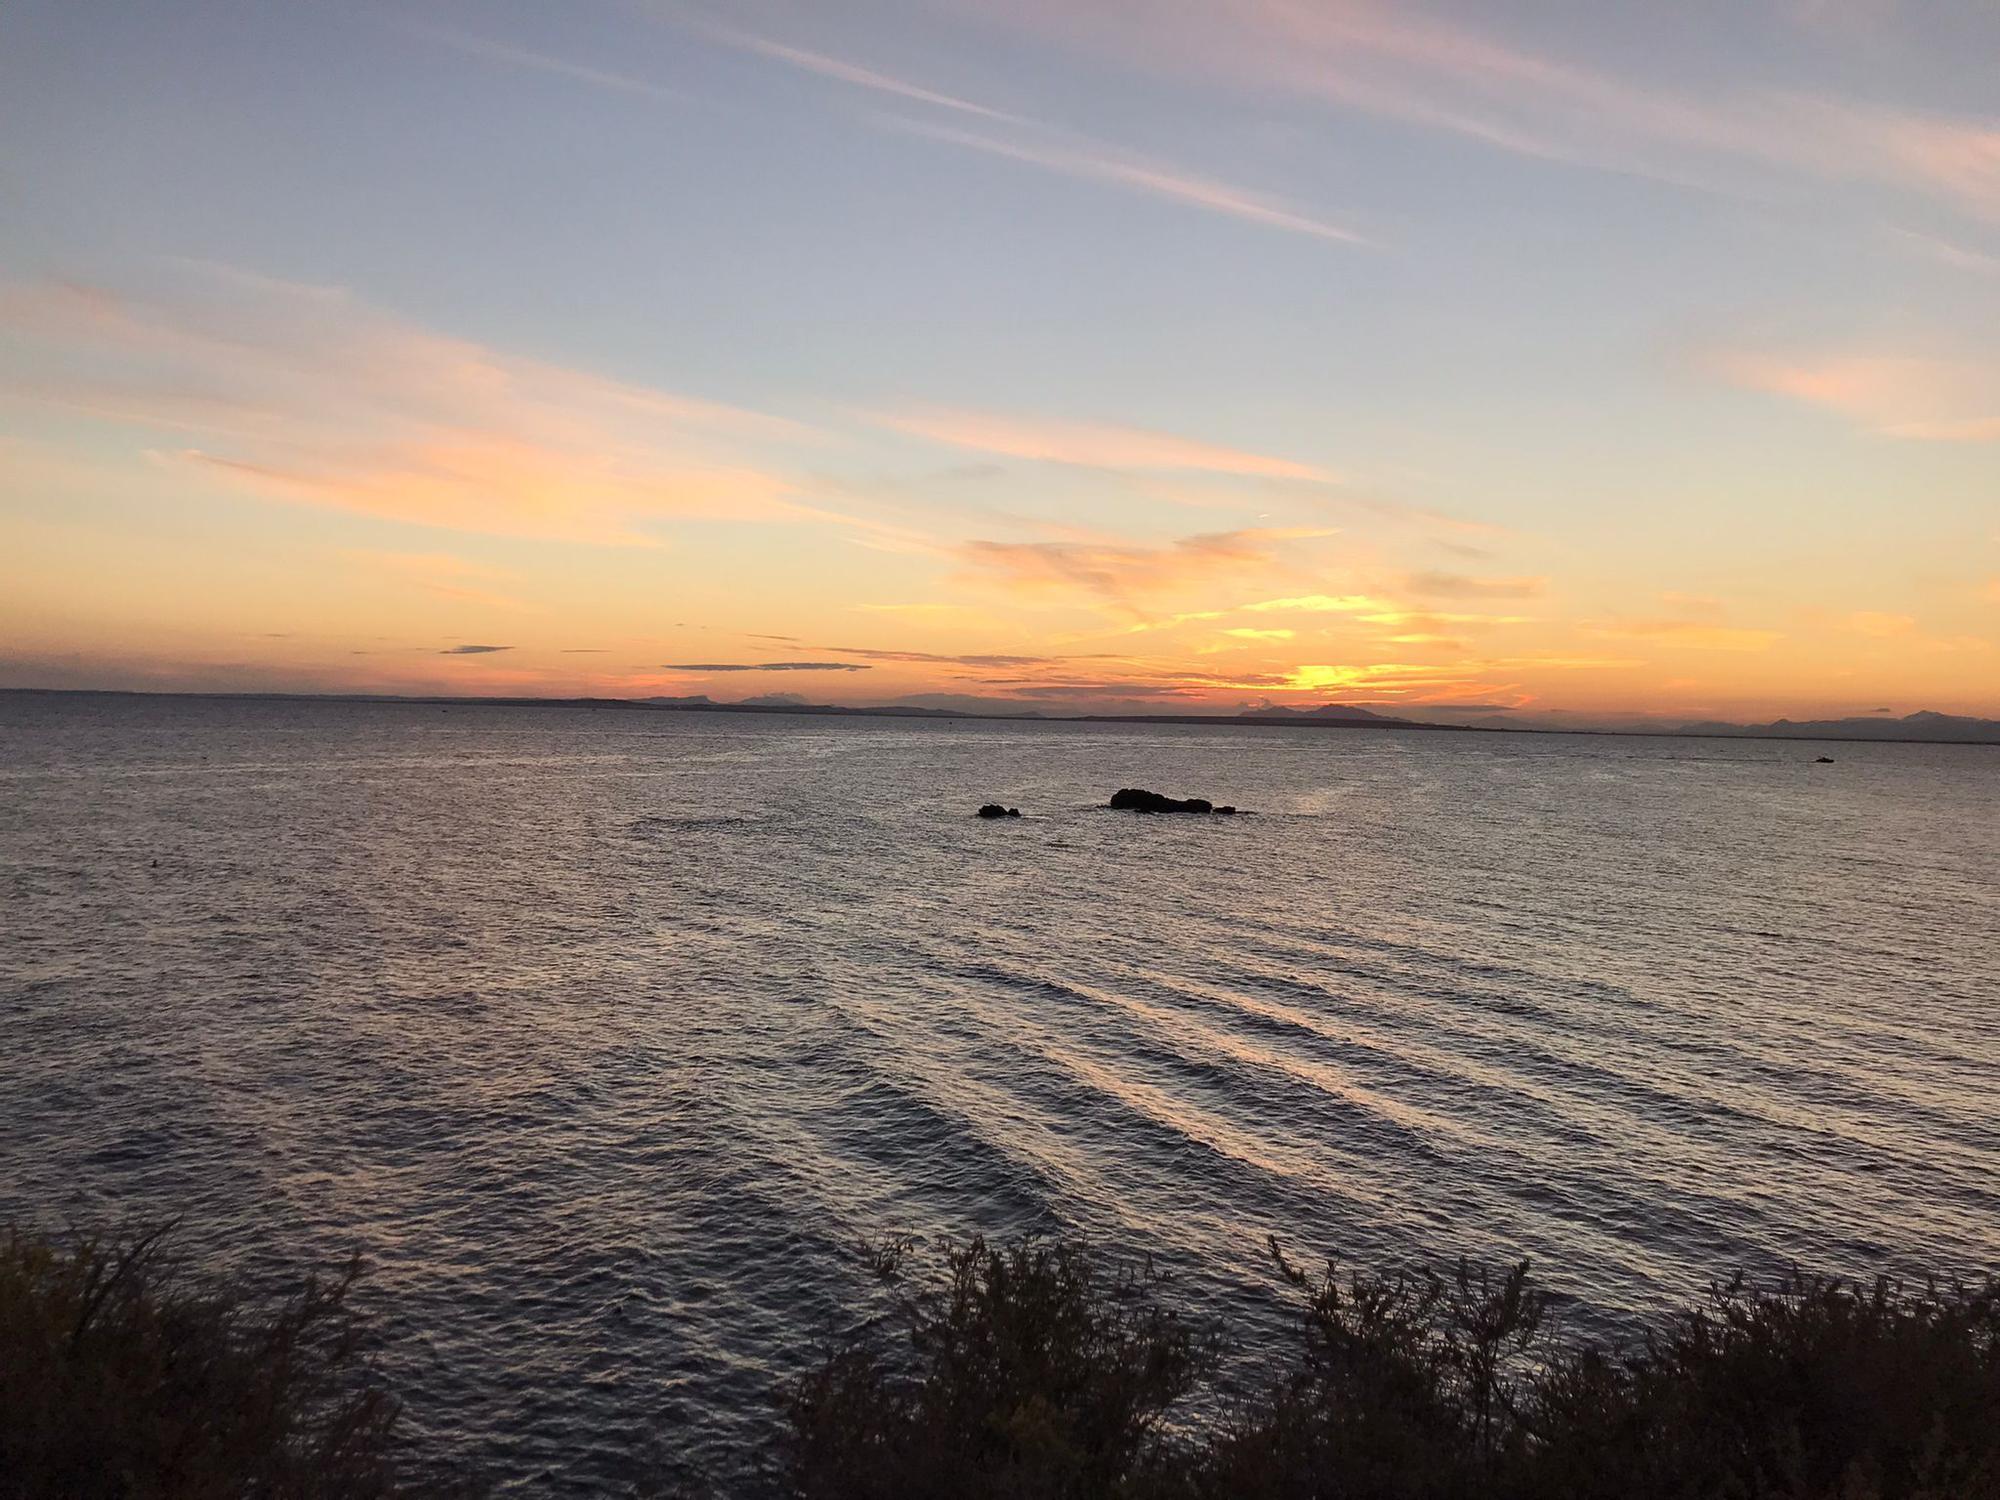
(603, 1034)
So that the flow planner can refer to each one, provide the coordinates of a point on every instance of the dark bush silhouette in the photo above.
(119, 1376)
(1403, 1385)
(1817, 1387)
(1029, 1369)
(1032, 1372)
(1042, 1370)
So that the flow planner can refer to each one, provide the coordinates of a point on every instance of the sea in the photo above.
(607, 1036)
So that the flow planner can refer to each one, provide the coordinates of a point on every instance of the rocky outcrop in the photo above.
(995, 810)
(1137, 799)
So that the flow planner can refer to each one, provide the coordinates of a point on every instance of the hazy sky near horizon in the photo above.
(1115, 354)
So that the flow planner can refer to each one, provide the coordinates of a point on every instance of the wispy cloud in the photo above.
(1123, 574)
(1318, 604)
(473, 650)
(307, 394)
(1905, 396)
(971, 660)
(1464, 586)
(764, 666)
(1098, 163)
(521, 57)
(1092, 445)
(1948, 252)
(1410, 63)
(846, 72)
(1033, 142)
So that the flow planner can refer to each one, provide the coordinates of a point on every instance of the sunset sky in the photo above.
(1076, 355)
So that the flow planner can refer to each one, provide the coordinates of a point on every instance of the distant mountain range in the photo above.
(1327, 715)
(1345, 712)
(1924, 725)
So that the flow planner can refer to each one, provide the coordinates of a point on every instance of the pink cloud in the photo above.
(307, 395)
(1916, 397)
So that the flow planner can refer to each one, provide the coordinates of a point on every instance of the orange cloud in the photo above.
(1318, 604)
(1880, 625)
(1406, 680)
(1692, 633)
(1460, 586)
(1426, 619)
(1120, 574)
(1094, 446)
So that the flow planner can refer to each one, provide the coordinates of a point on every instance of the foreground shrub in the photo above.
(1040, 1370)
(119, 1376)
(1403, 1385)
(1030, 1372)
(1815, 1388)
(1033, 1369)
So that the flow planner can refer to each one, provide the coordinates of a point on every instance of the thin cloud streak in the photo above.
(850, 73)
(1058, 150)
(1093, 445)
(521, 57)
(763, 666)
(1100, 164)
(931, 657)
(1425, 70)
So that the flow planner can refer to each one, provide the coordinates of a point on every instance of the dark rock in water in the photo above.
(1824, 760)
(1137, 799)
(995, 810)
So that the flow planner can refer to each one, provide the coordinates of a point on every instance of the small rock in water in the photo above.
(995, 810)
(1137, 799)
(1824, 760)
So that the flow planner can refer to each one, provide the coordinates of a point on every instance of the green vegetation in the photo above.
(1041, 1370)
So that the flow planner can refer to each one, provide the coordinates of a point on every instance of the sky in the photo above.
(1050, 355)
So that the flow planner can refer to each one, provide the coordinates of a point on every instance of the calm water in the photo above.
(602, 1033)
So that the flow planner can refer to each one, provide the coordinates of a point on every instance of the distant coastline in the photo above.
(1984, 732)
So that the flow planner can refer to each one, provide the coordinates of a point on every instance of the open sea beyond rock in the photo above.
(604, 1034)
